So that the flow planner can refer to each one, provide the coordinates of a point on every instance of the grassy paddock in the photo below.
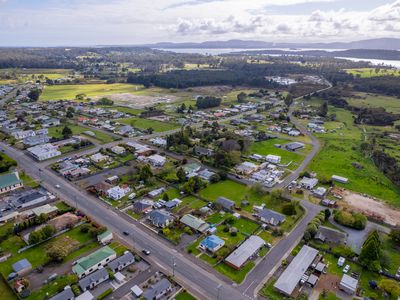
(57, 92)
(103, 138)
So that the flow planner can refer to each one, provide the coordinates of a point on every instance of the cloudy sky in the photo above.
(105, 22)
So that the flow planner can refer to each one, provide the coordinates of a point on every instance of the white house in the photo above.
(308, 183)
(98, 157)
(118, 150)
(43, 152)
(246, 168)
(274, 159)
(157, 160)
(116, 192)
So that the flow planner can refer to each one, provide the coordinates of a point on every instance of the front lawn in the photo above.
(236, 275)
(184, 295)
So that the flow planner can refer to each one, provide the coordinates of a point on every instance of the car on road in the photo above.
(346, 269)
(125, 232)
(57, 186)
(145, 251)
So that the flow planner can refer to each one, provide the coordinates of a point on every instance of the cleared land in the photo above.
(341, 148)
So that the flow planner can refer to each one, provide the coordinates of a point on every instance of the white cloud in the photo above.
(142, 21)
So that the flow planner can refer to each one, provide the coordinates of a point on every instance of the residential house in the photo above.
(30, 198)
(10, 182)
(88, 264)
(47, 209)
(159, 142)
(206, 174)
(125, 130)
(105, 237)
(225, 203)
(211, 243)
(195, 223)
(191, 168)
(246, 168)
(98, 157)
(308, 183)
(65, 294)
(157, 160)
(156, 192)
(271, 217)
(94, 279)
(122, 262)
(201, 151)
(319, 192)
(143, 206)
(161, 218)
(117, 193)
(22, 267)
(273, 159)
(244, 252)
(118, 150)
(36, 140)
(158, 290)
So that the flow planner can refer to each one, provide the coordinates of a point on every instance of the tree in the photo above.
(181, 175)
(34, 94)
(390, 286)
(289, 209)
(57, 253)
(70, 112)
(66, 132)
(288, 100)
(105, 101)
(395, 236)
(241, 97)
(150, 130)
(165, 197)
(370, 253)
(145, 173)
(35, 237)
(323, 110)
(327, 213)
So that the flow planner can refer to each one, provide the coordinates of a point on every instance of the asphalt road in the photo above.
(201, 283)
(198, 281)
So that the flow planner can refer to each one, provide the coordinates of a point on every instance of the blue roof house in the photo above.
(212, 243)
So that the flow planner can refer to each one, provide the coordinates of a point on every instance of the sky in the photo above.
(131, 22)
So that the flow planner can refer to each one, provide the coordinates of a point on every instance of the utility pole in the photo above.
(173, 266)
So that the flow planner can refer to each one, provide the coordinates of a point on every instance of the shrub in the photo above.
(105, 294)
(289, 209)
(352, 220)
(84, 228)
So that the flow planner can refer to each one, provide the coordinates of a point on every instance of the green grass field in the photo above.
(184, 295)
(5, 291)
(373, 72)
(267, 147)
(56, 92)
(391, 104)
(144, 124)
(103, 138)
(340, 149)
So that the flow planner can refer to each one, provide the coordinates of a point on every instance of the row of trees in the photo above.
(207, 102)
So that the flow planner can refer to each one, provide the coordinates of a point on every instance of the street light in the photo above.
(218, 290)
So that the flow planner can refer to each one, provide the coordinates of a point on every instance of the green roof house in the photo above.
(10, 182)
(88, 264)
(195, 223)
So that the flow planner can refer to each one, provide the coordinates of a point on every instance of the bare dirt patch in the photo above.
(138, 101)
(371, 208)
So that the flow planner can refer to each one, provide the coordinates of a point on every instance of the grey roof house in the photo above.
(22, 267)
(225, 203)
(244, 252)
(161, 218)
(157, 290)
(65, 294)
(122, 262)
(271, 217)
(93, 280)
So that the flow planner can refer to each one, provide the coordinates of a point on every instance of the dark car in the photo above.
(145, 251)
(125, 232)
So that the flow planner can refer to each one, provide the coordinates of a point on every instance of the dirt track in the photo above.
(372, 207)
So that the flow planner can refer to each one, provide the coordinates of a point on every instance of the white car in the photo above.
(57, 186)
(346, 269)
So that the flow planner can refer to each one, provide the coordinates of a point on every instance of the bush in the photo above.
(390, 286)
(353, 220)
(85, 228)
(344, 251)
(105, 294)
(75, 289)
(289, 209)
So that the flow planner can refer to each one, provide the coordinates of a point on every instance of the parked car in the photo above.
(346, 269)
(125, 232)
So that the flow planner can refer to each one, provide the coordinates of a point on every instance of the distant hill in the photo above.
(381, 43)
